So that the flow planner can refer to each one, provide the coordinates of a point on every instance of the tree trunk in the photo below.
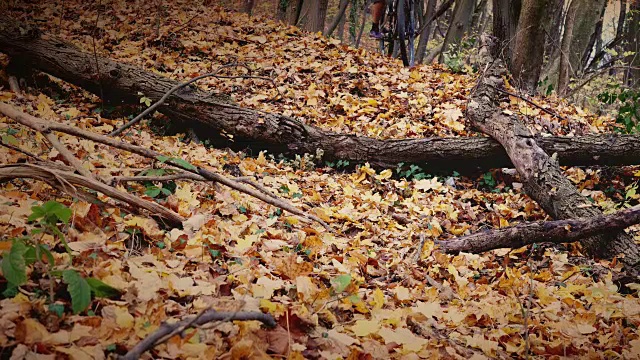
(341, 24)
(564, 67)
(543, 181)
(505, 21)
(594, 40)
(427, 27)
(313, 15)
(426, 31)
(458, 27)
(580, 24)
(632, 34)
(528, 54)
(248, 6)
(556, 14)
(477, 14)
(364, 21)
(280, 134)
(282, 9)
(622, 14)
(294, 7)
(339, 17)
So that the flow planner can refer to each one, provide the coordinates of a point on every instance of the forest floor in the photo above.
(363, 292)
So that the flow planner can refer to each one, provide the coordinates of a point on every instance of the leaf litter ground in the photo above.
(365, 291)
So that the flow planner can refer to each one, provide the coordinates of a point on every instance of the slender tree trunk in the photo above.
(313, 15)
(564, 68)
(622, 14)
(458, 27)
(294, 8)
(594, 40)
(431, 18)
(505, 21)
(341, 24)
(552, 43)
(364, 20)
(339, 17)
(528, 54)
(248, 6)
(632, 36)
(477, 14)
(482, 23)
(426, 31)
(282, 9)
(583, 16)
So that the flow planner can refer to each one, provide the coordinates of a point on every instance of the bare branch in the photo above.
(205, 317)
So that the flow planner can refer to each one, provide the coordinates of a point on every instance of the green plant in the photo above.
(412, 171)
(27, 251)
(546, 86)
(628, 101)
(144, 100)
(488, 180)
(340, 164)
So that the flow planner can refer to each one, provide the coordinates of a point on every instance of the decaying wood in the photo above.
(47, 127)
(542, 178)
(281, 134)
(66, 181)
(558, 231)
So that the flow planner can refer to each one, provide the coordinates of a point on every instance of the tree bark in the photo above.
(341, 24)
(294, 7)
(313, 15)
(580, 24)
(280, 134)
(248, 6)
(558, 231)
(543, 181)
(281, 10)
(595, 40)
(428, 26)
(505, 21)
(528, 54)
(632, 34)
(426, 31)
(458, 27)
(339, 16)
(564, 67)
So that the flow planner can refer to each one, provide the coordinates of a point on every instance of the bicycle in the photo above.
(399, 30)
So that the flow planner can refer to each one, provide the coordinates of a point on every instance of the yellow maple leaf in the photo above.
(365, 327)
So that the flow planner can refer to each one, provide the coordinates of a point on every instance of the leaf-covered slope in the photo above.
(364, 290)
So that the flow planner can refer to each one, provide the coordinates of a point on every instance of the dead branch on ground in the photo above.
(204, 317)
(46, 127)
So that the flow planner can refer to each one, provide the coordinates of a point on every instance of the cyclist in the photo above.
(376, 13)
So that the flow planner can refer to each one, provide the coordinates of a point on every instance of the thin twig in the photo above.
(185, 24)
(73, 161)
(528, 102)
(211, 315)
(15, 148)
(416, 257)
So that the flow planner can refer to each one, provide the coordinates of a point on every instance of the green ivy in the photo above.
(629, 110)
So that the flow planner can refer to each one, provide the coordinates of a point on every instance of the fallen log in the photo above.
(557, 231)
(276, 133)
(542, 178)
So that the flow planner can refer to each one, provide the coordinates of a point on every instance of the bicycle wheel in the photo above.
(406, 26)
